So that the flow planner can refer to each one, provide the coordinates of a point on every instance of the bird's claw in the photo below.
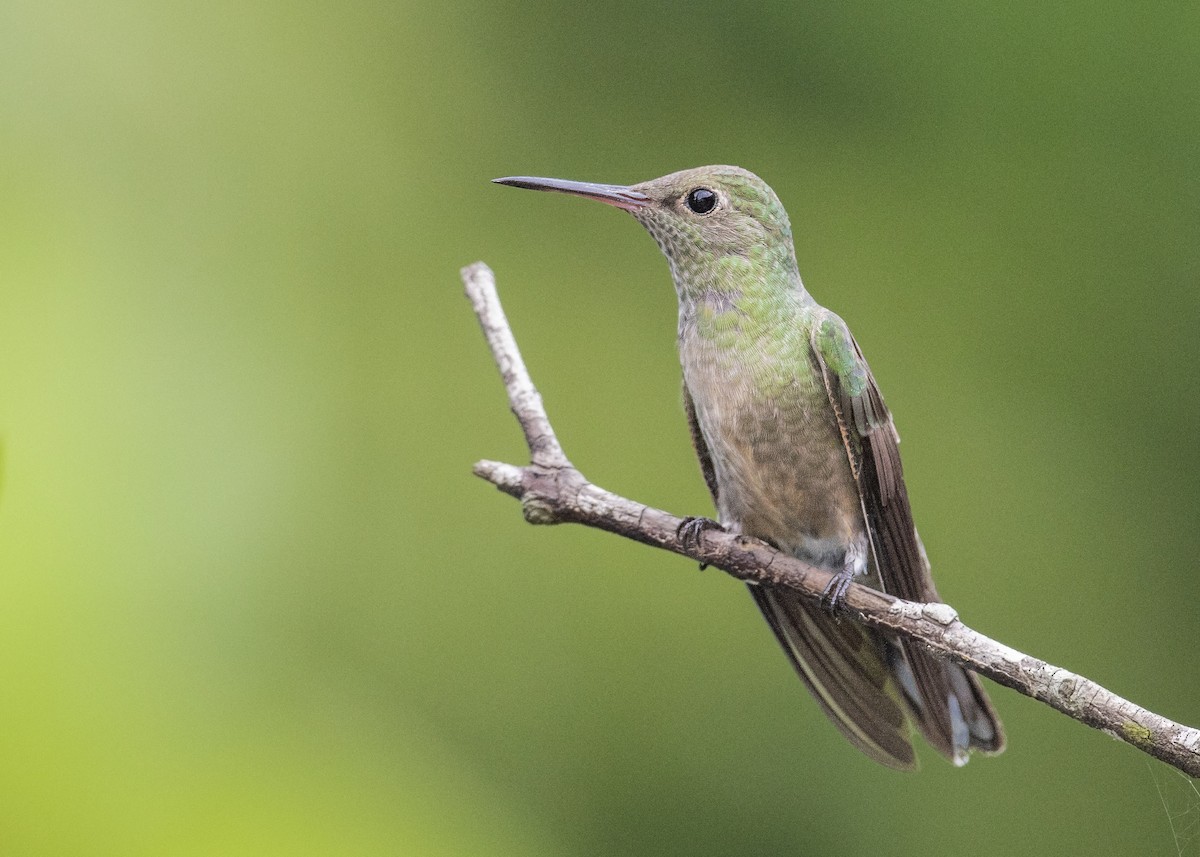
(834, 595)
(690, 530)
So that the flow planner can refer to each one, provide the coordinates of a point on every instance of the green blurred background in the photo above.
(252, 600)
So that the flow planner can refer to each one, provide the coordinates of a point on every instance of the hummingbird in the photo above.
(799, 450)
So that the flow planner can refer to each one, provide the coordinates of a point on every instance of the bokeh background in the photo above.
(252, 600)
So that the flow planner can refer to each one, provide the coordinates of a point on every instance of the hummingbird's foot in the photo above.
(834, 595)
(690, 530)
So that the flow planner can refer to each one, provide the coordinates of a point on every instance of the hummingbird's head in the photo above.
(702, 218)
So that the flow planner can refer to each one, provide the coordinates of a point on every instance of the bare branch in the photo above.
(523, 397)
(552, 491)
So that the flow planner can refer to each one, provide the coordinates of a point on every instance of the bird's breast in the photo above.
(780, 463)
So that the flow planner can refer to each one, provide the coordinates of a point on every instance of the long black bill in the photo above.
(613, 194)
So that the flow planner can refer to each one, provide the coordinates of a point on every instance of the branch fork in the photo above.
(552, 490)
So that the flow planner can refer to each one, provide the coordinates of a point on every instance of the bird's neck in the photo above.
(739, 297)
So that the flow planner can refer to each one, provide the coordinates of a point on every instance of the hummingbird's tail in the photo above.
(947, 703)
(870, 685)
(846, 668)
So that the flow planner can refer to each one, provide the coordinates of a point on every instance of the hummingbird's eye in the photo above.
(702, 200)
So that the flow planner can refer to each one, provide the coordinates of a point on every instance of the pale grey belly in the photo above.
(783, 476)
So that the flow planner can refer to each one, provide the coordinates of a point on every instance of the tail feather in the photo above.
(845, 668)
(870, 685)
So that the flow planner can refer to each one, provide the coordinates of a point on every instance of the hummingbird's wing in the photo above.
(702, 453)
(948, 703)
(844, 665)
